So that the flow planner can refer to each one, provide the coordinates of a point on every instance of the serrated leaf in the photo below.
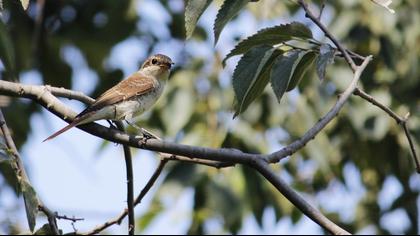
(228, 10)
(326, 57)
(251, 76)
(25, 4)
(271, 36)
(7, 54)
(282, 71)
(384, 3)
(306, 60)
(193, 12)
(31, 203)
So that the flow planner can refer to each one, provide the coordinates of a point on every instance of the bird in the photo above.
(129, 98)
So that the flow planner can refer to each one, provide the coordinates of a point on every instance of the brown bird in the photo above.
(130, 97)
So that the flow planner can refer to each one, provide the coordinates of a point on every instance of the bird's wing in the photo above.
(135, 85)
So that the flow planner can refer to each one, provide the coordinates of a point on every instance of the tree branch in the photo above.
(46, 99)
(348, 56)
(316, 20)
(215, 164)
(400, 120)
(130, 184)
(311, 133)
(21, 173)
(52, 218)
(313, 213)
(138, 199)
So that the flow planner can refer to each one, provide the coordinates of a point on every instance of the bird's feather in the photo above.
(136, 84)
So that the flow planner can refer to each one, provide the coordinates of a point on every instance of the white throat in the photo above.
(156, 72)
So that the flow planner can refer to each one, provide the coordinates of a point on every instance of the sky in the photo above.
(73, 176)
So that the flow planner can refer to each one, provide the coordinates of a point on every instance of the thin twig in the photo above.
(291, 195)
(355, 55)
(20, 169)
(151, 181)
(64, 217)
(413, 149)
(311, 133)
(372, 100)
(400, 120)
(70, 94)
(215, 164)
(321, 10)
(138, 200)
(130, 184)
(51, 216)
(328, 34)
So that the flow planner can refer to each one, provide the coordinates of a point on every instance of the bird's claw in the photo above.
(147, 135)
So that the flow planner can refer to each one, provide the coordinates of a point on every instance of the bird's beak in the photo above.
(167, 65)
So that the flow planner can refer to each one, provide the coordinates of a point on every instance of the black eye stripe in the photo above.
(154, 61)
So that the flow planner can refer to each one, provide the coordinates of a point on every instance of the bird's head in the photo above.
(157, 65)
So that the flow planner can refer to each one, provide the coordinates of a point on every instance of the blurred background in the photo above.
(358, 171)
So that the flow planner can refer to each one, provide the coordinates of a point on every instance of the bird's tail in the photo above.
(69, 126)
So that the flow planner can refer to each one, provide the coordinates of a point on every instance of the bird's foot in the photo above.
(148, 135)
(111, 124)
(145, 133)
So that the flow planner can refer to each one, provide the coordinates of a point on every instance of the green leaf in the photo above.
(9, 174)
(296, 215)
(31, 203)
(271, 36)
(305, 61)
(222, 200)
(181, 102)
(200, 214)
(25, 4)
(182, 173)
(154, 210)
(7, 54)
(283, 70)
(193, 11)
(228, 10)
(251, 76)
(255, 184)
(326, 57)
(44, 230)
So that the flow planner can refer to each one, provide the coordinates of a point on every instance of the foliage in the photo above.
(289, 55)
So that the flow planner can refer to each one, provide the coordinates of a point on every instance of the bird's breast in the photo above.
(138, 104)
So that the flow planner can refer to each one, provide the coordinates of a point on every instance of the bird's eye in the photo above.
(154, 61)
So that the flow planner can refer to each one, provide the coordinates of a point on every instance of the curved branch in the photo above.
(327, 33)
(138, 199)
(44, 97)
(313, 213)
(311, 133)
(400, 120)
